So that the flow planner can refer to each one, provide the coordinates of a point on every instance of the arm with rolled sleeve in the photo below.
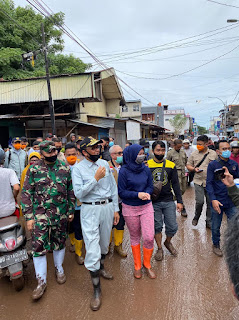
(114, 193)
(27, 196)
(70, 195)
(209, 184)
(176, 185)
(122, 186)
(150, 186)
(80, 189)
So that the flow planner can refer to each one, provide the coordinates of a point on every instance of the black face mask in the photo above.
(159, 156)
(58, 150)
(94, 157)
(51, 159)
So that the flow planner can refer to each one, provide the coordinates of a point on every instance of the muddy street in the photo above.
(193, 286)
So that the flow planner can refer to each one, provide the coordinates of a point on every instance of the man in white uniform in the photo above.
(95, 187)
(9, 188)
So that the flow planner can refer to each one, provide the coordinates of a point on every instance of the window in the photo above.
(124, 109)
(98, 86)
(136, 107)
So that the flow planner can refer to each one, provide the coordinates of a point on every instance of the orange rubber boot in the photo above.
(147, 265)
(137, 261)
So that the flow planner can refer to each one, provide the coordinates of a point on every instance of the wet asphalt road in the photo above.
(193, 286)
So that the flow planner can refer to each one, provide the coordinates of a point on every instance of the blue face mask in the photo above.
(226, 154)
(119, 160)
(146, 150)
(111, 143)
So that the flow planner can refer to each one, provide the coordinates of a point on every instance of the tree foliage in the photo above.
(178, 122)
(20, 32)
(202, 130)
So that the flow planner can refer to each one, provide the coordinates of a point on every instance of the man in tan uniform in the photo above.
(179, 157)
(198, 163)
(116, 153)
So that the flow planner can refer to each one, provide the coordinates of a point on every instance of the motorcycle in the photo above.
(13, 255)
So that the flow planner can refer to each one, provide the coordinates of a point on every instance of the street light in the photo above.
(225, 114)
(232, 20)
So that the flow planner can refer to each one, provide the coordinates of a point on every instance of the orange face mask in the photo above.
(17, 146)
(23, 146)
(71, 160)
(200, 148)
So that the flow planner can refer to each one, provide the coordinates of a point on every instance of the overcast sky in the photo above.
(112, 27)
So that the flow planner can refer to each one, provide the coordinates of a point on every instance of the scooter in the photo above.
(13, 255)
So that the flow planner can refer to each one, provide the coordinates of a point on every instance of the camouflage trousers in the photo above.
(46, 236)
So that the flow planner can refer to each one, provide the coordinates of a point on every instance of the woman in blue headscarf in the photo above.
(135, 188)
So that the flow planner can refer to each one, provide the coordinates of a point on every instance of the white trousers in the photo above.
(96, 224)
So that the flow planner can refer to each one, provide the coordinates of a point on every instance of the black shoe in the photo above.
(184, 213)
(96, 299)
(208, 225)
(103, 273)
(194, 222)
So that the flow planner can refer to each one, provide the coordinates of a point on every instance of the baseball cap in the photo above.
(16, 139)
(144, 142)
(80, 138)
(89, 142)
(24, 139)
(72, 135)
(234, 144)
(47, 146)
(49, 135)
(186, 141)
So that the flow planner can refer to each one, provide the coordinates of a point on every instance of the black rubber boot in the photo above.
(103, 272)
(96, 299)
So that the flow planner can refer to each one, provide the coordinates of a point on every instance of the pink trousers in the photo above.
(142, 223)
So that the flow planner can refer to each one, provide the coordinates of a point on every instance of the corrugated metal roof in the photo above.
(87, 123)
(63, 88)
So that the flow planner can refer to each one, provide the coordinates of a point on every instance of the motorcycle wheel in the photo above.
(18, 284)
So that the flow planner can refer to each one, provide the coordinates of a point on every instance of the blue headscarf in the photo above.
(129, 156)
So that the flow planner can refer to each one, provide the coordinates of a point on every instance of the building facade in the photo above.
(131, 109)
(169, 114)
(153, 114)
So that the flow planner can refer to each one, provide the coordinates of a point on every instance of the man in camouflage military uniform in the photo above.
(48, 203)
(179, 157)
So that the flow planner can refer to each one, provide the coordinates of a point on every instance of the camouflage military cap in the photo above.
(89, 142)
(47, 146)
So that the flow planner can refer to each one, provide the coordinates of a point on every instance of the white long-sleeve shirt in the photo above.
(86, 187)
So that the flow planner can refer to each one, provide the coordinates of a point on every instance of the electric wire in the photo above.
(101, 63)
(223, 4)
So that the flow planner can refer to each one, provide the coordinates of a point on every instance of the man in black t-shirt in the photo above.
(164, 206)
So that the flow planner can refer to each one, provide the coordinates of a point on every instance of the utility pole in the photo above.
(51, 102)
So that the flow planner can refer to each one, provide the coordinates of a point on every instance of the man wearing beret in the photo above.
(48, 203)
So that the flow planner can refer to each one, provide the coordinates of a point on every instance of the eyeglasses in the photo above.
(95, 147)
(119, 153)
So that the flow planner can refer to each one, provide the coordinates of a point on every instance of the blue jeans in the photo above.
(165, 212)
(217, 220)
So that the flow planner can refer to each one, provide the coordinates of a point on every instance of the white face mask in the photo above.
(140, 158)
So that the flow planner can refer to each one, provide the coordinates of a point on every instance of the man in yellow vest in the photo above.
(116, 153)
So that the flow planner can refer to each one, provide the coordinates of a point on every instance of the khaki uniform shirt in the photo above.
(201, 177)
(179, 158)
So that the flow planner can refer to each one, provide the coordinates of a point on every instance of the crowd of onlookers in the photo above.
(150, 179)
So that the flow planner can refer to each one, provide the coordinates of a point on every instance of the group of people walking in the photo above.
(97, 188)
